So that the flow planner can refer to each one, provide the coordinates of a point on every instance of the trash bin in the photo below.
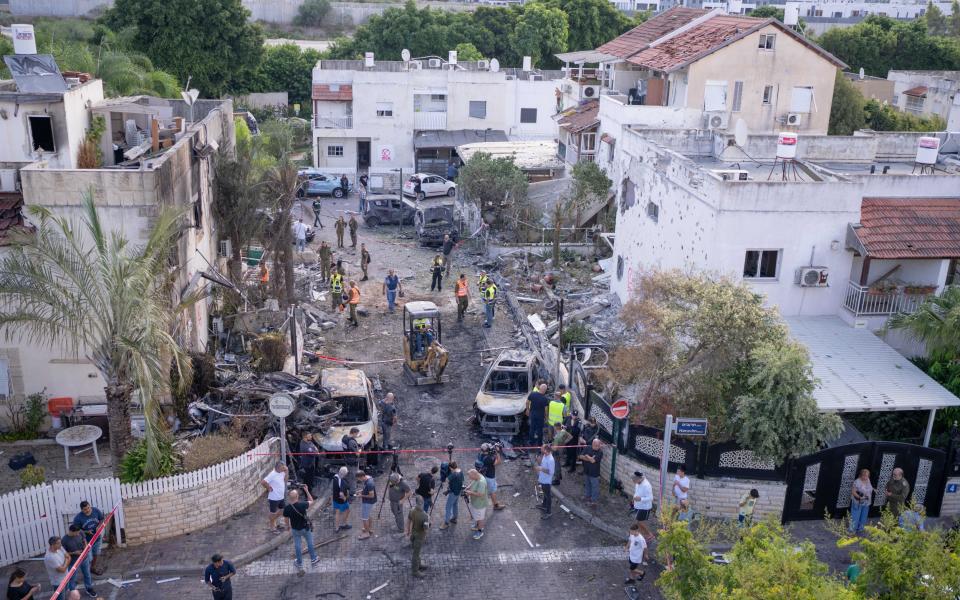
(254, 254)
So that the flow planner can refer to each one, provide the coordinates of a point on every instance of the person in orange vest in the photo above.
(264, 277)
(461, 291)
(354, 301)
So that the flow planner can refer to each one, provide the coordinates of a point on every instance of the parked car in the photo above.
(321, 184)
(430, 185)
(386, 209)
(351, 389)
(502, 399)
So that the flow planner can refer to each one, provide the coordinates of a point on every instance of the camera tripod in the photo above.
(394, 468)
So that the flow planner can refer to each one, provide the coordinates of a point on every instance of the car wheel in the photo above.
(338, 193)
(372, 221)
(452, 192)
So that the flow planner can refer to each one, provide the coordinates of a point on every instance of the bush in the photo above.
(212, 450)
(135, 461)
(32, 475)
(312, 13)
(269, 352)
(576, 333)
(25, 418)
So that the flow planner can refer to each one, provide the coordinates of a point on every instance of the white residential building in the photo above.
(926, 93)
(854, 210)
(380, 116)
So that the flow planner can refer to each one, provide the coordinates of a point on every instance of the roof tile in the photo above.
(895, 228)
(581, 117)
(697, 41)
(652, 29)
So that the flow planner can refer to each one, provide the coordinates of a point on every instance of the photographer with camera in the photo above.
(488, 461)
(454, 489)
(476, 494)
(295, 512)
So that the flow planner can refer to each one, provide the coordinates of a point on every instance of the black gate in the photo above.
(822, 481)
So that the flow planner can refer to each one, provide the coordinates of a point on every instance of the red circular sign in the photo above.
(620, 409)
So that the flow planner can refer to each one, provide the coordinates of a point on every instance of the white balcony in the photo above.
(425, 121)
(338, 122)
(880, 301)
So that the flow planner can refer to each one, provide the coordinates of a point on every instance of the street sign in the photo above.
(951, 488)
(685, 426)
(620, 409)
(281, 405)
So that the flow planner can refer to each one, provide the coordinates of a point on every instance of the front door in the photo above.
(363, 156)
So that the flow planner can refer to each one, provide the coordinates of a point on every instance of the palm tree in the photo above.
(936, 322)
(94, 292)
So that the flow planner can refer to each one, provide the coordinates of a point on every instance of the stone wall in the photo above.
(172, 513)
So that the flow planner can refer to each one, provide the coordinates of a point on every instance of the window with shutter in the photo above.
(737, 95)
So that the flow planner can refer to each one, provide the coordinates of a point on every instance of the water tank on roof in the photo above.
(368, 59)
(452, 57)
(927, 150)
(791, 14)
(786, 145)
(527, 63)
(24, 40)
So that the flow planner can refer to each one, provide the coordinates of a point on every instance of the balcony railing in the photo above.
(321, 122)
(423, 121)
(866, 301)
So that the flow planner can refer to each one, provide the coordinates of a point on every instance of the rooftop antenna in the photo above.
(862, 74)
(190, 96)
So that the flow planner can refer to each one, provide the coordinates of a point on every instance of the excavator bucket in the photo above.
(430, 370)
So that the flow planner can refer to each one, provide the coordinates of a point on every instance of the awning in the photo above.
(459, 137)
(859, 372)
(919, 91)
(335, 92)
(898, 228)
(584, 57)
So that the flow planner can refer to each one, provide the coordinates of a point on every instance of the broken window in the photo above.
(198, 214)
(653, 211)
(41, 133)
(355, 410)
(628, 195)
(619, 268)
(508, 382)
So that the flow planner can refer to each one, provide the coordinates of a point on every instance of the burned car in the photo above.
(387, 209)
(433, 221)
(353, 393)
(502, 399)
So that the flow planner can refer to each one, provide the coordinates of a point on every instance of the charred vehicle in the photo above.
(435, 220)
(353, 393)
(502, 399)
(387, 209)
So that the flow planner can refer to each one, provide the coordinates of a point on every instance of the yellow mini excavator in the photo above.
(425, 359)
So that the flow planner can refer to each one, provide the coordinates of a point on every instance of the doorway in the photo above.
(363, 156)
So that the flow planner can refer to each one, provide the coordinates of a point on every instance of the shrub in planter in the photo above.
(212, 450)
(32, 475)
(269, 351)
(135, 461)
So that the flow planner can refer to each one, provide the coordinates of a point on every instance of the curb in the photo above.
(586, 515)
(238, 561)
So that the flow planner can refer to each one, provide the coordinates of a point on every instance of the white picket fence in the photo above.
(30, 516)
(185, 481)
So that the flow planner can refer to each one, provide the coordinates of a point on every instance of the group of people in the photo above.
(61, 556)
(896, 492)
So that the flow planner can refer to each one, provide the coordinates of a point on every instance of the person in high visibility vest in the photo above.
(336, 290)
(419, 335)
(461, 290)
(489, 302)
(264, 277)
(482, 282)
(354, 301)
(554, 415)
(564, 394)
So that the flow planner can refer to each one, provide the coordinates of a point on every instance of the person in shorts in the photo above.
(276, 485)
(637, 553)
(478, 499)
(642, 502)
(368, 499)
(340, 494)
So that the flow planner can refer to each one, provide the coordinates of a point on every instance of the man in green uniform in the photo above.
(417, 525)
(353, 231)
(325, 253)
(340, 225)
(364, 261)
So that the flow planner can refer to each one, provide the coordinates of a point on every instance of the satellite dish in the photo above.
(861, 73)
(740, 133)
(405, 55)
(190, 96)
(494, 65)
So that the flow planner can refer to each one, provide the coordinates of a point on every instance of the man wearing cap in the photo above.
(398, 492)
(642, 502)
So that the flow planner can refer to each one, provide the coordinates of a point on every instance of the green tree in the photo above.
(590, 185)
(846, 112)
(91, 289)
(936, 22)
(883, 117)
(778, 417)
(936, 323)
(495, 184)
(290, 69)
(953, 24)
(591, 23)
(468, 52)
(312, 13)
(211, 41)
(540, 33)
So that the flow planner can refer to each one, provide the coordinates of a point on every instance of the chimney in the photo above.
(154, 135)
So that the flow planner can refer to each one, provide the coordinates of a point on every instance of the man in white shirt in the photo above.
(681, 484)
(276, 485)
(57, 562)
(300, 233)
(545, 471)
(642, 502)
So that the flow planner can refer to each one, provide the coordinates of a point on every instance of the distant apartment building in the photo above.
(379, 116)
(872, 88)
(154, 157)
(695, 68)
(925, 93)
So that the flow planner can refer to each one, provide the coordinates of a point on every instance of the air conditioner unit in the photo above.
(434, 63)
(794, 119)
(590, 91)
(731, 174)
(812, 276)
(416, 65)
(226, 248)
(483, 65)
(536, 78)
(717, 120)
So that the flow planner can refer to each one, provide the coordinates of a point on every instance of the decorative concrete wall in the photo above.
(168, 507)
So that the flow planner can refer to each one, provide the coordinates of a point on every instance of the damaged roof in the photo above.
(332, 91)
(581, 117)
(650, 30)
(896, 228)
(344, 382)
(919, 91)
(11, 219)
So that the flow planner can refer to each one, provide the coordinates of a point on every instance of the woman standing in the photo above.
(18, 588)
(860, 497)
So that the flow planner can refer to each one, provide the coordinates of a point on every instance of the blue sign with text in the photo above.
(951, 488)
(691, 426)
